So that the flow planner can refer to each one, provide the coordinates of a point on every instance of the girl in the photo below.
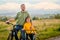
(30, 30)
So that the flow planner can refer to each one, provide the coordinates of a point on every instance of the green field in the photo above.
(45, 29)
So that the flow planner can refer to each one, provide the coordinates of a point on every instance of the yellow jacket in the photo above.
(29, 28)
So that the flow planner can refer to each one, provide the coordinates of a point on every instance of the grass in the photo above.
(45, 29)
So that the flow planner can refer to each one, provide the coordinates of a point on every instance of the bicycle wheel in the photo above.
(9, 37)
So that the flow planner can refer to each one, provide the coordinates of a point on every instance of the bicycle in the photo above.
(12, 32)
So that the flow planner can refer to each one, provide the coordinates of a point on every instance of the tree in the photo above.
(57, 16)
(4, 18)
(36, 18)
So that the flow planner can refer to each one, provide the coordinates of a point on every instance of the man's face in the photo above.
(23, 7)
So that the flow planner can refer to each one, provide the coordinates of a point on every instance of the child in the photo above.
(30, 30)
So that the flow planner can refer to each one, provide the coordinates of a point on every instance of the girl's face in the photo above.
(28, 20)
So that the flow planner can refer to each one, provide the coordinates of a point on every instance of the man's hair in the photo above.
(22, 4)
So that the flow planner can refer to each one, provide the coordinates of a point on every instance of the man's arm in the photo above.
(17, 16)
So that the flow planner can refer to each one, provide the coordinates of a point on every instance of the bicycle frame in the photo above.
(12, 33)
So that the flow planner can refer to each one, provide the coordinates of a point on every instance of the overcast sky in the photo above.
(14, 5)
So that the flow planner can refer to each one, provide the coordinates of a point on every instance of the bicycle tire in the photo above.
(9, 37)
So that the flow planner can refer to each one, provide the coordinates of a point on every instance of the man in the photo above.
(21, 16)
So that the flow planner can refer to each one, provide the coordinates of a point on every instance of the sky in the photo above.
(33, 6)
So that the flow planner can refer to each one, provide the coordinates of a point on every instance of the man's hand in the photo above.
(7, 22)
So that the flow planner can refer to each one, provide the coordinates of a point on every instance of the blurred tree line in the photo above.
(3, 18)
(56, 16)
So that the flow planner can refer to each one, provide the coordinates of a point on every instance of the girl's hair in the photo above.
(27, 18)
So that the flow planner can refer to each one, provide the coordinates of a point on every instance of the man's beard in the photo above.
(23, 10)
